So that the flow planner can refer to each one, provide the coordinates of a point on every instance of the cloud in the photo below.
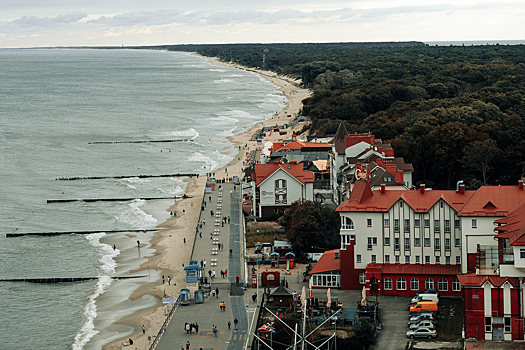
(159, 17)
(33, 21)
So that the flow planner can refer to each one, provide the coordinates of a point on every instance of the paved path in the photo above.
(208, 314)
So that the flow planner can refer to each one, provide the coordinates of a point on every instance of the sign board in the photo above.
(169, 300)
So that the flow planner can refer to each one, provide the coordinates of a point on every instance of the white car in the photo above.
(422, 333)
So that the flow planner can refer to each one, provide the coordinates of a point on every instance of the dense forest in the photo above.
(454, 112)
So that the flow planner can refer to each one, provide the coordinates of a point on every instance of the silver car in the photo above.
(422, 333)
(423, 323)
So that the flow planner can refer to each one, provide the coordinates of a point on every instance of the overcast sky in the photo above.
(29, 23)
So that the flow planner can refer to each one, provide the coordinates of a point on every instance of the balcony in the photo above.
(508, 255)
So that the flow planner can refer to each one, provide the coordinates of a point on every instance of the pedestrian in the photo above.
(196, 325)
(236, 323)
(220, 304)
(183, 211)
(204, 263)
(143, 329)
(182, 345)
(217, 292)
(204, 221)
(222, 225)
(191, 328)
(231, 251)
(213, 293)
(138, 244)
(229, 325)
(231, 193)
(200, 234)
(228, 219)
(237, 280)
(130, 341)
(188, 345)
(162, 279)
(211, 235)
(215, 331)
(201, 262)
(169, 281)
(223, 306)
(184, 239)
(226, 273)
(222, 274)
(114, 246)
(186, 327)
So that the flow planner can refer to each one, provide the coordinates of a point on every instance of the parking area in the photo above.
(394, 318)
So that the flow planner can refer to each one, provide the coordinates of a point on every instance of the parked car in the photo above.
(421, 312)
(426, 297)
(429, 291)
(417, 319)
(425, 305)
(423, 323)
(422, 333)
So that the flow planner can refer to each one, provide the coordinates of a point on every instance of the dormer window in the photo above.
(280, 192)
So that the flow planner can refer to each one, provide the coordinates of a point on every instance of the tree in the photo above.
(363, 337)
(311, 224)
(480, 154)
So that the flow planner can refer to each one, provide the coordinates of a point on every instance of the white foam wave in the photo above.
(222, 120)
(107, 267)
(191, 132)
(236, 75)
(223, 81)
(131, 213)
(211, 161)
(217, 70)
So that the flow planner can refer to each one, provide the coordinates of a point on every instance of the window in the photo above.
(374, 240)
(407, 243)
(358, 258)
(458, 242)
(401, 204)
(396, 243)
(447, 225)
(427, 259)
(429, 283)
(417, 241)
(436, 225)
(488, 324)
(369, 245)
(362, 278)
(427, 242)
(438, 259)
(387, 240)
(456, 223)
(458, 260)
(414, 284)
(447, 243)
(352, 237)
(427, 223)
(387, 258)
(507, 324)
(369, 222)
(436, 241)
(456, 286)
(407, 259)
(474, 223)
(417, 259)
(522, 253)
(401, 284)
(387, 222)
(447, 260)
(388, 283)
(396, 225)
(373, 258)
(280, 192)
(416, 222)
(397, 258)
(346, 223)
(407, 225)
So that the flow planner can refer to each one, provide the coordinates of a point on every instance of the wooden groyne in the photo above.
(75, 232)
(63, 279)
(121, 177)
(110, 199)
(145, 141)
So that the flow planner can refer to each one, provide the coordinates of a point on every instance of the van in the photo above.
(426, 297)
(425, 305)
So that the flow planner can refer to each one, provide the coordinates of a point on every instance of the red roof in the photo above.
(263, 171)
(375, 201)
(473, 280)
(328, 262)
(513, 227)
(493, 201)
(417, 269)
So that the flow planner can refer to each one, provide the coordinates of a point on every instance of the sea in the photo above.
(81, 113)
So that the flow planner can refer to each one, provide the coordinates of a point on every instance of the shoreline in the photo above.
(168, 247)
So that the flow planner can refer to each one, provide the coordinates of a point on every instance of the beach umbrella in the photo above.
(303, 298)
(274, 254)
(329, 297)
(310, 288)
(289, 253)
(363, 295)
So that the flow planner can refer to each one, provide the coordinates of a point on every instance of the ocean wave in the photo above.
(224, 81)
(131, 213)
(223, 120)
(107, 267)
(217, 70)
(211, 161)
(191, 132)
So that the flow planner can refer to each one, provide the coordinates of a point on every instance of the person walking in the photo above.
(162, 279)
(215, 331)
(223, 306)
(143, 329)
(231, 251)
(220, 305)
(138, 244)
(236, 323)
(184, 239)
(217, 292)
(204, 263)
(237, 280)
(196, 325)
(226, 273)
(229, 325)
(188, 345)
(169, 281)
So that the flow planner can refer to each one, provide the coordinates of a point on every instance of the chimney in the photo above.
(336, 254)
(520, 185)
(462, 189)
(422, 188)
(383, 188)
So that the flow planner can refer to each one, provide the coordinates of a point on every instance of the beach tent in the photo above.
(184, 297)
(198, 296)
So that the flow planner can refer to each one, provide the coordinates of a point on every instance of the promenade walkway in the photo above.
(208, 314)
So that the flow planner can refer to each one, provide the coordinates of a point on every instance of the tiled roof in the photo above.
(493, 201)
(473, 280)
(513, 227)
(328, 262)
(262, 171)
(300, 144)
(421, 203)
(418, 269)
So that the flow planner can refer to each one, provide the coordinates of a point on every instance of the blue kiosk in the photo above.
(193, 272)
(184, 297)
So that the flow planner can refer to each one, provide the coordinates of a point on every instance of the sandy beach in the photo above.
(170, 250)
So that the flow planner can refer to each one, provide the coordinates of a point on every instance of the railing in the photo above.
(164, 325)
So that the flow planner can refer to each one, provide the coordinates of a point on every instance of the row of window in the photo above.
(372, 241)
(373, 258)
(401, 283)
(348, 224)
(497, 320)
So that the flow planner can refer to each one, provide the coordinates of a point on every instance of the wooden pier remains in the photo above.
(77, 232)
(63, 279)
(122, 177)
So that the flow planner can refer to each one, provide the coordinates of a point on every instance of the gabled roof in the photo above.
(361, 200)
(339, 139)
(493, 201)
(301, 144)
(281, 291)
(263, 171)
(473, 280)
(513, 227)
(327, 262)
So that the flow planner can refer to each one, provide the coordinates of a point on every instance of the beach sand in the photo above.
(170, 251)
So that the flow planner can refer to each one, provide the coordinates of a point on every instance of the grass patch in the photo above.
(263, 231)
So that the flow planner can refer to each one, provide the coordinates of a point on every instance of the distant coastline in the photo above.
(474, 42)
